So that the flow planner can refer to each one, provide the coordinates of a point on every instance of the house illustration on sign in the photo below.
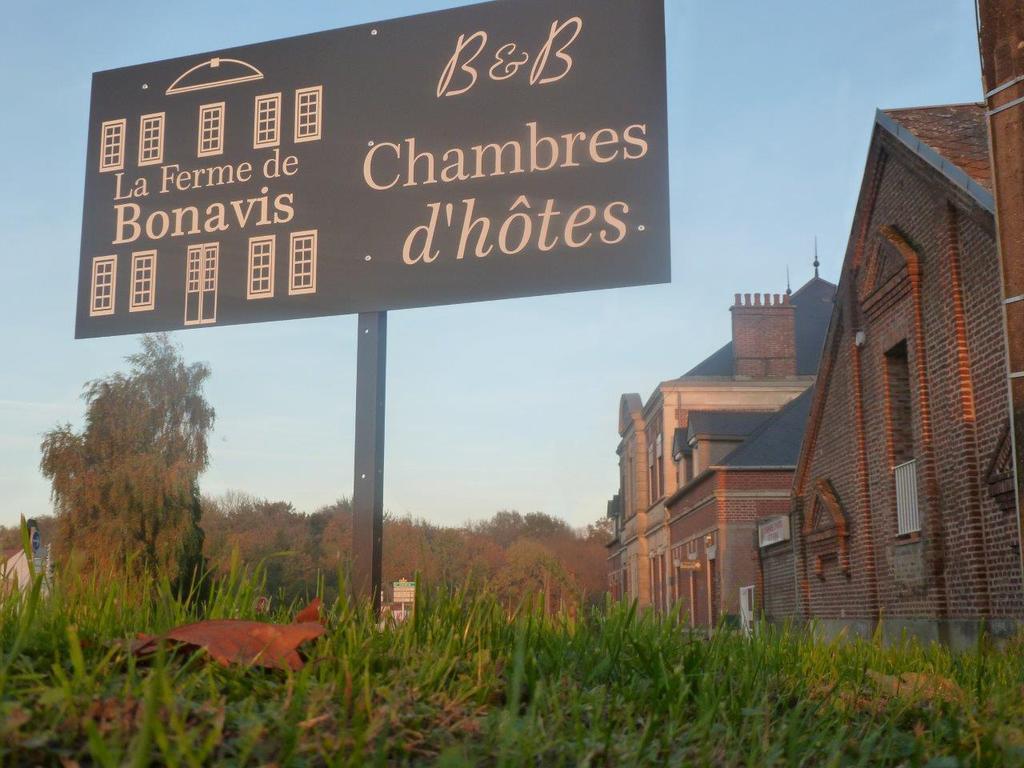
(202, 259)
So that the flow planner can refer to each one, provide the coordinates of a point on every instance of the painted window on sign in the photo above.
(201, 284)
(308, 113)
(211, 129)
(261, 267)
(104, 277)
(302, 269)
(151, 139)
(267, 124)
(112, 145)
(143, 281)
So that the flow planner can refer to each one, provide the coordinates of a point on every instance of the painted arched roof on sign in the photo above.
(214, 73)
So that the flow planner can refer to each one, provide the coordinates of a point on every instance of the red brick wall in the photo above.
(778, 596)
(763, 336)
(729, 503)
(923, 269)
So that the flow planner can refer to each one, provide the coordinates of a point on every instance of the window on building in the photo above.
(631, 500)
(211, 129)
(901, 439)
(104, 280)
(308, 113)
(261, 267)
(267, 121)
(143, 295)
(151, 139)
(660, 462)
(302, 262)
(652, 480)
(897, 374)
(112, 145)
(691, 549)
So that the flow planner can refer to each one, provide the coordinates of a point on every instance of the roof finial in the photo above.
(816, 262)
(789, 288)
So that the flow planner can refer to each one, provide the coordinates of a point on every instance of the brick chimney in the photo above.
(764, 336)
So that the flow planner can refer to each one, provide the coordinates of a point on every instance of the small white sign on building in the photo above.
(773, 530)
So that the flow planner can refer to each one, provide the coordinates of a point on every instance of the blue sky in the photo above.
(503, 405)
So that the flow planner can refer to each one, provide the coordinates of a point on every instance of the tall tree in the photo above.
(126, 488)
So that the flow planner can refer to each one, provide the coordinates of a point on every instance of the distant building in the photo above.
(771, 360)
(716, 519)
(904, 507)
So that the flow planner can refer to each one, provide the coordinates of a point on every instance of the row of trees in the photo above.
(510, 553)
(126, 495)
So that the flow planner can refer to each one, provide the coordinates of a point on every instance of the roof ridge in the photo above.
(979, 104)
(809, 283)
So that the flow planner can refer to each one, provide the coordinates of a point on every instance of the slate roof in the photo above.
(813, 304)
(776, 443)
(680, 443)
(725, 423)
(958, 132)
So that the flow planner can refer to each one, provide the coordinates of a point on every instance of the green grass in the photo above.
(463, 684)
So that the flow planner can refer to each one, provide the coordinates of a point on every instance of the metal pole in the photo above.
(1001, 41)
(368, 491)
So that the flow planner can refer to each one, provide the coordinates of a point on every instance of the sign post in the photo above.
(507, 149)
(368, 490)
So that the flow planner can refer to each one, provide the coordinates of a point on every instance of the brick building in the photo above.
(715, 572)
(771, 359)
(903, 499)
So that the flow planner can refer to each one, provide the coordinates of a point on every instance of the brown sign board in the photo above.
(512, 148)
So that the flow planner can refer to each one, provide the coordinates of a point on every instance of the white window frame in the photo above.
(908, 511)
(115, 130)
(146, 123)
(294, 289)
(95, 310)
(300, 93)
(251, 292)
(211, 150)
(138, 258)
(257, 120)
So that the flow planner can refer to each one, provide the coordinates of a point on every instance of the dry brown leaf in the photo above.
(310, 613)
(236, 641)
